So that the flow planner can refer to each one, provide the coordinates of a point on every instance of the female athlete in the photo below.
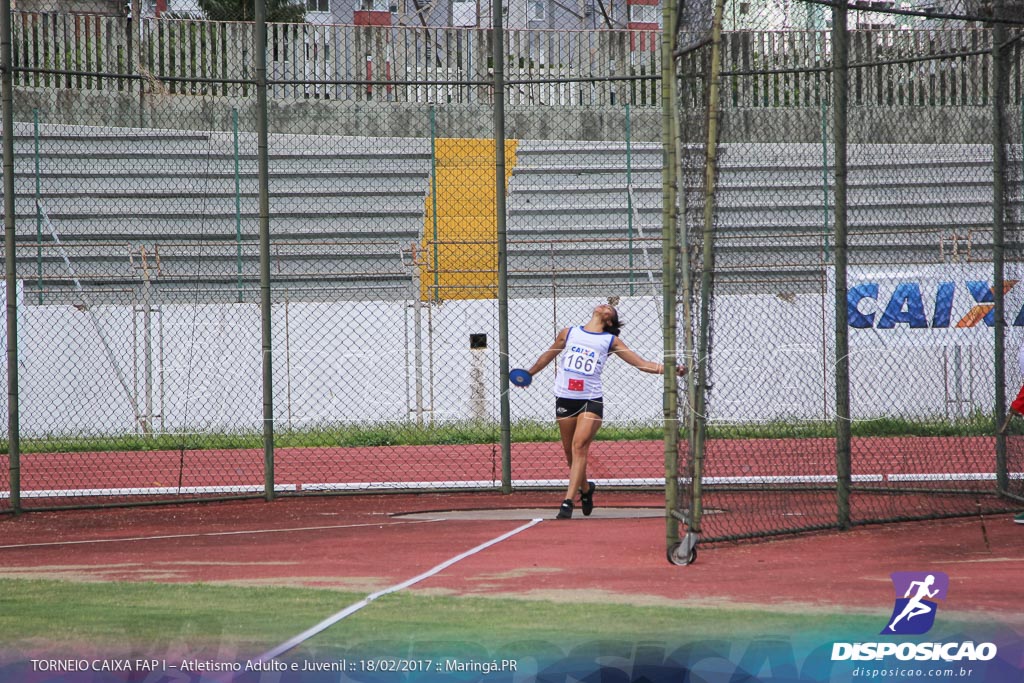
(579, 404)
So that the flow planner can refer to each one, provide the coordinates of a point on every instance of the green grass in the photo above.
(141, 615)
(121, 617)
(974, 425)
(391, 434)
(398, 434)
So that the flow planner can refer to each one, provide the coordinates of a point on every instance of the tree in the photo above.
(281, 11)
(988, 8)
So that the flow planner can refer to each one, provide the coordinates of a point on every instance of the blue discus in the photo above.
(520, 377)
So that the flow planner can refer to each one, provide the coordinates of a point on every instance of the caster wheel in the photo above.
(675, 555)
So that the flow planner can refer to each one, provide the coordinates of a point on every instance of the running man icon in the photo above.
(918, 601)
(915, 607)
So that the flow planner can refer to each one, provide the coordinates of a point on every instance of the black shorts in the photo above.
(571, 407)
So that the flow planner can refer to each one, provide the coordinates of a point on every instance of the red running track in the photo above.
(624, 462)
(341, 537)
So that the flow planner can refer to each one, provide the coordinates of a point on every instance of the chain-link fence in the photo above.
(858, 225)
(1008, 241)
(145, 370)
(231, 286)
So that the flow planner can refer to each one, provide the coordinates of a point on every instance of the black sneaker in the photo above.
(587, 499)
(565, 511)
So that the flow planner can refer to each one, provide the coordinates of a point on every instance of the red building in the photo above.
(644, 21)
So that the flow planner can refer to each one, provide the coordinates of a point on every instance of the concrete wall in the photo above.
(114, 8)
(907, 125)
(897, 125)
(326, 117)
(207, 365)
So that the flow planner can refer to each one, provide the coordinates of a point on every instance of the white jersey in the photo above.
(578, 373)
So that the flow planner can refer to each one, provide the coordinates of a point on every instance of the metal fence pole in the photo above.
(260, 40)
(433, 200)
(39, 212)
(669, 250)
(1000, 88)
(826, 208)
(682, 250)
(238, 204)
(499, 207)
(840, 80)
(7, 88)
(629, 184)
(703, 359)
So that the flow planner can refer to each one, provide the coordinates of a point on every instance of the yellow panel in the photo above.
(464, 264)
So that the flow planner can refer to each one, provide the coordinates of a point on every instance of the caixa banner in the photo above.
(928, 304)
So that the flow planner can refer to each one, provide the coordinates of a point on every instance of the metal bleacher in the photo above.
(907, 204)
(119, 206)
(585, 214)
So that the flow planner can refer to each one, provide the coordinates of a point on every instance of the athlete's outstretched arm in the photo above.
(556, 348)
(620, 349)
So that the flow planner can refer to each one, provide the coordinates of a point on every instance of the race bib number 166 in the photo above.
(581, 360)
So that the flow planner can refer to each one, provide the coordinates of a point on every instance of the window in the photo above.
(645, 14)
(536, 10)
(318, 6)
(183, 8)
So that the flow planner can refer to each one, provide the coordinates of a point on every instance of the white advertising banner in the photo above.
(928, 305)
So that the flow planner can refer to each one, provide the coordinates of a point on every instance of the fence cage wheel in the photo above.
(684, 552)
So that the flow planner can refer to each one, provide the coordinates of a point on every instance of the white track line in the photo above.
(489, 483)
(355, 607)
(213, 533)
(148, 491)
(964, 476)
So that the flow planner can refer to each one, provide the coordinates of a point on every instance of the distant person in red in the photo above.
(1017, 406)
(579, 397)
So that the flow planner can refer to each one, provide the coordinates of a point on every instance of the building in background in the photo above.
(106, 8)
(645, 15)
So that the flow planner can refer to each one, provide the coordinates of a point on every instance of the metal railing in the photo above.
(762, 69)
